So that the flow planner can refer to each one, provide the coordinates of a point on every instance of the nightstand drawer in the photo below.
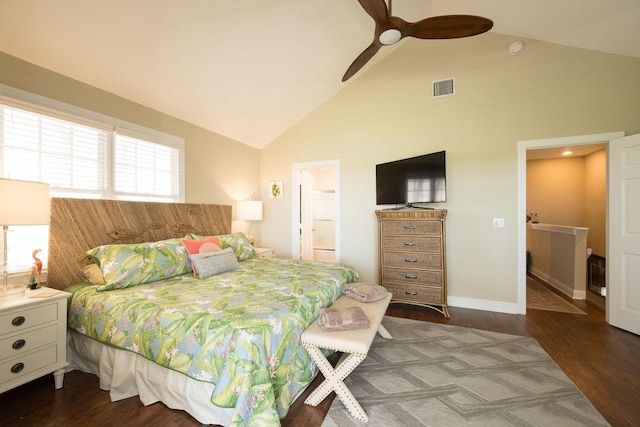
(20, 366)
(264, 252)
(412, 243)
(27, 318)
(26, 341)
(412, 260)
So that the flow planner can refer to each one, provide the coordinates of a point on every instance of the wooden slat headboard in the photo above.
(78, 225)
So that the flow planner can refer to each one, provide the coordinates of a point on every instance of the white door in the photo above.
(306, 215)
(623, 258)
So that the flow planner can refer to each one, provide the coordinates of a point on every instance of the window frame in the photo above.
(42, 105)
(38, 104)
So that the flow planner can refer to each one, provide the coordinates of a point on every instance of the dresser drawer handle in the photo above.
(18, 344)
(17, 367)
(410, 227)
(409, 243)
(410, 276)
(410, 260)
(18, 321)
(412, 293)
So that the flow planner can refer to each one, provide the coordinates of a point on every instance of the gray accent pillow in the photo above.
(217, 262)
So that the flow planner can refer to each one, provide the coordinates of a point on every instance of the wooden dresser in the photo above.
(413, 258)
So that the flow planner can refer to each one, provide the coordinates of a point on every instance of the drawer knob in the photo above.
(17, 367)
(18, 321)
(410, 260)
(410, 276)
(409, 227)
(409, 243)
(412, 293)
(18, 344)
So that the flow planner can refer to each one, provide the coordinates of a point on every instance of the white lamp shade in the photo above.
(24, 202)
(249, 210)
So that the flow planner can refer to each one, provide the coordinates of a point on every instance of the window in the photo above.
(81, 154)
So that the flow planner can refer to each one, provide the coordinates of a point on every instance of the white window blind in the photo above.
(70, 157)
(145, 171)
(81, 154)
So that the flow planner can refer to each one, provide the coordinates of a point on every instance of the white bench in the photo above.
(354, 344)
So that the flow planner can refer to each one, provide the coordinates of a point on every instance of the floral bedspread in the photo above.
(239, 330)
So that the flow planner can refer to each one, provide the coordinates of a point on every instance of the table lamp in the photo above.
(21, 203)
(249, 210)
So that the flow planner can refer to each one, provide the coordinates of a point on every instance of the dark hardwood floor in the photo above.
(603, 361)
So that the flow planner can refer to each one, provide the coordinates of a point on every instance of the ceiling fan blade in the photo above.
(361, 60)
(377, 9)
(447, 27)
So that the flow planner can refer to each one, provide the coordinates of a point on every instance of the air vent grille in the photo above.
(444, 88)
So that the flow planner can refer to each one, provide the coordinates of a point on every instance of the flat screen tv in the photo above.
(420, 179)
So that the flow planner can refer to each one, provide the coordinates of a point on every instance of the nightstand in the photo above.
(33, 337)
(264, 252)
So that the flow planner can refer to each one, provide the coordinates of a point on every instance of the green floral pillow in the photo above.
(133, 264)
(238, 242)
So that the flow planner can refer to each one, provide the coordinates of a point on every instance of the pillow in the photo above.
(211, 263)
(93, 274)
(238, 242)
(210, 244)
(127, 265)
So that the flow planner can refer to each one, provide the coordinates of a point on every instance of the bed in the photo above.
(225, 348)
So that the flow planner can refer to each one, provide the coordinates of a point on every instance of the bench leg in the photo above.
(334, 381)
(383, 332)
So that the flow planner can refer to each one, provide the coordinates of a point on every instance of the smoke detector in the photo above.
(514, 48)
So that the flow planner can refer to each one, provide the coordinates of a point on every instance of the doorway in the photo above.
(523, 147)
(316, 211)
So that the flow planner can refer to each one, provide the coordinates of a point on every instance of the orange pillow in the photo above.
(201, 246)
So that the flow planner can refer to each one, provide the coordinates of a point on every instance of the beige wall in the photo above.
(556, 190)
(595, 218)
(218, 169)
(571, 192)
(387, 113)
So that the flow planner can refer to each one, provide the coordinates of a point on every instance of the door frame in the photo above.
(296, 181)
(523, 146)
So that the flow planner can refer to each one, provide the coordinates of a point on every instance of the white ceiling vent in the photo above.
(443, 88)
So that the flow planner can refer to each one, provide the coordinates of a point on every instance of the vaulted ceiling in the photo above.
(250, 69)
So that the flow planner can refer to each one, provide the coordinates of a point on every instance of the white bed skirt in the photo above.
(126, 374)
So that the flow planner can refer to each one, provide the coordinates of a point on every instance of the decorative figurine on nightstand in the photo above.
(36, 271)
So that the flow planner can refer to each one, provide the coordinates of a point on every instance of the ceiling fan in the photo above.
(391, 29)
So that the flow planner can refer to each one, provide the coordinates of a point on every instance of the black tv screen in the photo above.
(420, 179)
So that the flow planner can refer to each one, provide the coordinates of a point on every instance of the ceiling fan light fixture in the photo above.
(390, 36)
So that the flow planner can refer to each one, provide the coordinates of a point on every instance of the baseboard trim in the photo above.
(562, 287)
(486, 305)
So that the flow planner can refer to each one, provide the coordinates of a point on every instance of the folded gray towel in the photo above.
(343, 319)
(364, 292)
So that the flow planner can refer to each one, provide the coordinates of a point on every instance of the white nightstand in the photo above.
(265, 252)
(33, 337)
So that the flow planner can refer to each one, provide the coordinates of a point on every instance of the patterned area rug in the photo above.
(539, 297)
(433, 374)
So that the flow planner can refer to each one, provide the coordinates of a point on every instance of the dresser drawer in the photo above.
(410, 227)
(27, 318)
(412, 260)
(20, 366)
(416, 294)
(412, 243)
(27, 341)
(412, 277)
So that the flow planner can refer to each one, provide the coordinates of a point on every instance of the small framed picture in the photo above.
(275, 189)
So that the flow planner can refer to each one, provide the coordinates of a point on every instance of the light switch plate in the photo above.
(498, 222)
